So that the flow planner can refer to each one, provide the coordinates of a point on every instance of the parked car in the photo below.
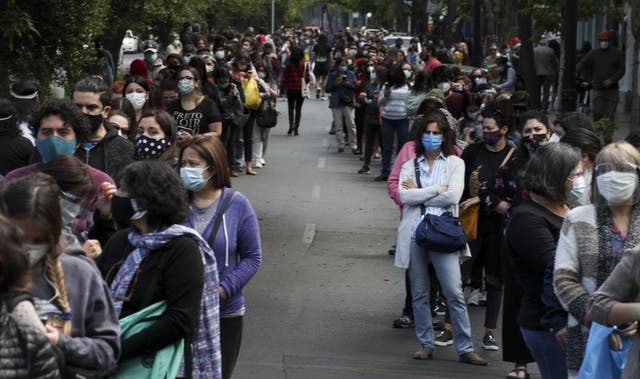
(130, 43)
(390, 40)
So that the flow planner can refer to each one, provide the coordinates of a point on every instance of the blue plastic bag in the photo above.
(599, 360)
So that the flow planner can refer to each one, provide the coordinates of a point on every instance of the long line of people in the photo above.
(124, 177)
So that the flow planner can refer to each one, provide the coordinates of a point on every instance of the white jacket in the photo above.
(429, 196)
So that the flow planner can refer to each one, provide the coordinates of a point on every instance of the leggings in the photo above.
(230, 341)
(294, 103)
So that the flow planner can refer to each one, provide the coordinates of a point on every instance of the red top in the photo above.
(292, 77)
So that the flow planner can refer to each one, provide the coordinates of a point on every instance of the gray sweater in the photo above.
(622, 286)
(95, 332)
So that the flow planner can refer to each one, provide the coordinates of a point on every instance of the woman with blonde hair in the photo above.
(70, 296)
(592, 240)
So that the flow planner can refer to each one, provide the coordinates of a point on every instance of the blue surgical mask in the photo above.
(431, 143)
(342, 68)
(473, 115)
(54, 146)
(193, 178)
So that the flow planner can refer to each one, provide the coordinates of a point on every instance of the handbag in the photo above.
(469, 220)
(600, 361)
(443, 233)
(267, 117)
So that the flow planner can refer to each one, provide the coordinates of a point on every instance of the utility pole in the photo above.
(569, 34)
(476, 53)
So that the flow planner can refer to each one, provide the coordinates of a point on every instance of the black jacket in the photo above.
(25, 351)
(174, 273)
(110, 155)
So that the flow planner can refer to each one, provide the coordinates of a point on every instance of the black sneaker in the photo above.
(444, 338)
(380, 178)
(404, 322)
(340, 150)
(317, 94)
(364, 170)
(440, 308)
(489, 342)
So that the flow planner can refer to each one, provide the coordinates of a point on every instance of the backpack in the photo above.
(252, 99)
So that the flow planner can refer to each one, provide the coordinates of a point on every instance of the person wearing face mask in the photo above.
(157, 138)
(175, 47)
(295, 70)
(593, 240)
(69, 295)
(506, 76)
(554, 179)
(61, 128)
(607, 64)
(103, 150)
(589, 144)
(138, 91)
(226, 219)
(24, 342)
(436, 190)
(154, 62)
(482, 189)
(159, 260)
(394, 121)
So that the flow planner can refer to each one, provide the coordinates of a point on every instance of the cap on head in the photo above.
(604, 36)
(150, 47)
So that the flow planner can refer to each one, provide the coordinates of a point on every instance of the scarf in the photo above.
(206, 346)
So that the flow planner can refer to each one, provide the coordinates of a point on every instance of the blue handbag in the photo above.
(600, 361)
(443, 233)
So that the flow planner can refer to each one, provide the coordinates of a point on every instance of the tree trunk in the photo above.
(635, 31)
(526, 63)
(569, 94)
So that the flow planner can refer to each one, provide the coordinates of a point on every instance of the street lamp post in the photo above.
(273, 16)
(366, 19)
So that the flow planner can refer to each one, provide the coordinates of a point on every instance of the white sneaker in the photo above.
(257, 164)
(474, 297)
(262, 162)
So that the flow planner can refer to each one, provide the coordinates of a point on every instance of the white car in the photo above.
(390, 40)
(130, 43)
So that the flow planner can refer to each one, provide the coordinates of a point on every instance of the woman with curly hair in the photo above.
(69, 294)
(158, 260)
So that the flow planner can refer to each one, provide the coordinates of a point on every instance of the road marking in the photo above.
(309, 233)
(315, 194)
(322, 162)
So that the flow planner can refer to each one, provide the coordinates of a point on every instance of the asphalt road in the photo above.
(322, 304)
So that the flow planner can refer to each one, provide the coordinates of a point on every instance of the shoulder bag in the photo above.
(442, 234)
(268, 116)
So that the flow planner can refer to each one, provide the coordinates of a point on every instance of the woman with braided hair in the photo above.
(68, 292)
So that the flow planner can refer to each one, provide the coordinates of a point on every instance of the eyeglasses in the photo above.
(186, 77)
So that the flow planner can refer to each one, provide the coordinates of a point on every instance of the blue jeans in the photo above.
(388, 130)
(447, 268)
(551, 359)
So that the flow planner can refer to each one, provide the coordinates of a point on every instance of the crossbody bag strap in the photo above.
(416, 169)
(506, 159)
(223, 208)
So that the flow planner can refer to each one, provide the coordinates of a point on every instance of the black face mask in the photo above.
(121, 211)
(95, 121)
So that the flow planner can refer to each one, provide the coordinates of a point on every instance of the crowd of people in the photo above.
(125, 241)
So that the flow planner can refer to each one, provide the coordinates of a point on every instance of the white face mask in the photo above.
(36, 252)
(371, 69)
(579, 187)
(554, 138)
(604, 45)
(444, 87)
(137, 99)
(220, 54)
(407, 73)
(617, 187)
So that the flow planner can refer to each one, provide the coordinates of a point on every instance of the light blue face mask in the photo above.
(54, 146)
(69, 212)
(193, 178)
(431, 143)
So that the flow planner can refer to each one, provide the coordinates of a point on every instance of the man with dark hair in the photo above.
(429, 58)
(103, 149)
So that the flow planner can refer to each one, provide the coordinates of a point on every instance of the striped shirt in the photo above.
(436, 176)
(394, 107)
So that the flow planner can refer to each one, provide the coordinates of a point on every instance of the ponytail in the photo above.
(56, 276)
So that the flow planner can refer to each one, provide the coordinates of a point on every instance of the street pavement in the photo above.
(322, 304)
